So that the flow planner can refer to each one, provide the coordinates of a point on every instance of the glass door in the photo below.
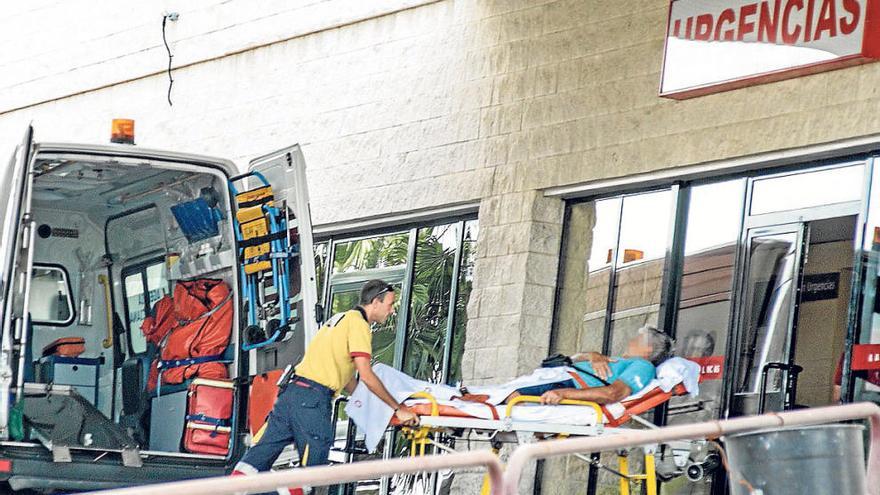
(767, 317)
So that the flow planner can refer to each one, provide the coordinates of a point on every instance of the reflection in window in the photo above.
(641, 255)
(802, 190)
(713, 226)
(321, 252)
(772, 266)
(368, 254)
(135, 280)
(50, 301)
(429, 305)
(465, 284)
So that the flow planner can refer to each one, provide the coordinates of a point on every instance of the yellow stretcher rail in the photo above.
(600, 418)
(418, 436)
(419, 439)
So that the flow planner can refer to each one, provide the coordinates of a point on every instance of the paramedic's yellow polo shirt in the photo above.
(329, 357)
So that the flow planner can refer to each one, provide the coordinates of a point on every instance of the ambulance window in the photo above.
(50, 298)
(143, 286)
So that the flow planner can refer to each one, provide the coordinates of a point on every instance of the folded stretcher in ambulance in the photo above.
(191, 329)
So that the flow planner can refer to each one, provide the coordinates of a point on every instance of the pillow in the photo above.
(677, 370)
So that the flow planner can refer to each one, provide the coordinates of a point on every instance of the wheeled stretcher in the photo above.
(523, 420)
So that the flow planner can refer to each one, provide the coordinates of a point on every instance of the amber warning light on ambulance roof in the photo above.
(122, 131)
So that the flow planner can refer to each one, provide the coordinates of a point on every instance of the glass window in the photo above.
(640, 262)
(151, 278)
(50, 301)
(713, 226)
(465, 284)
(367, 254)
(802, 190)
(590, 241)
(433, 279)
(322, 251)
(772, 265)
(866, 384)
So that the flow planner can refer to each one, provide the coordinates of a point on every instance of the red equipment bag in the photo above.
(193, 331)
(208, 418)
(65, 346)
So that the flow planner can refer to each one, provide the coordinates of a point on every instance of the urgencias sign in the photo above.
(717, 45)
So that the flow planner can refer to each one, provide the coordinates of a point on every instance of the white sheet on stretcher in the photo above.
(372, 415)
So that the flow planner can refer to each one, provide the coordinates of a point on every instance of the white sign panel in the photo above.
(716, 45)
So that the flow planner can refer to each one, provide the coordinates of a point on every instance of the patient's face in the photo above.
(638, 347)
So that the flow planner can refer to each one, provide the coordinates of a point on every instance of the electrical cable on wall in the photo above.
(172, 17)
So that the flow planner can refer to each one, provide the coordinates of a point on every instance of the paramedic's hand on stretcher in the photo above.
(362, 365)
(406, 416)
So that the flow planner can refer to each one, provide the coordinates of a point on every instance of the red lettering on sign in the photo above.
(827, 19)
(711, 367)
(704, 27)
(768, 25)
(866, 357)
(790, 36)
(807, 29)
(852, 7)
(745, 25)
(727, 17)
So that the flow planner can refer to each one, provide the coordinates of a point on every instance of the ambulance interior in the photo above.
(113, 237)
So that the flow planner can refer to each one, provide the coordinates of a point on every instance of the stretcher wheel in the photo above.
(254, 334)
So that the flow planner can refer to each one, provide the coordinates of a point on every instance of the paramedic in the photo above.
(606, 380)
(302, 413)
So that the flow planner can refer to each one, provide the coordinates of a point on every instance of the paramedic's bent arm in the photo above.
(608, 394)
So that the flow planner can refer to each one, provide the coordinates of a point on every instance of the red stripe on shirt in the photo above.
(361, 354)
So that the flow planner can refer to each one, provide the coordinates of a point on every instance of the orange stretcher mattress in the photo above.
(632, 407)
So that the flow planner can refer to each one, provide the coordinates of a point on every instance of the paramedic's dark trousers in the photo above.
(302, 415)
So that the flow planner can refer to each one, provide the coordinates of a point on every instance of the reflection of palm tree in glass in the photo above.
(429, 298)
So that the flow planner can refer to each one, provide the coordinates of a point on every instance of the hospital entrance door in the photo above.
(792, 316)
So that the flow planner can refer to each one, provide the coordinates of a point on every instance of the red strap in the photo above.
(578, 379)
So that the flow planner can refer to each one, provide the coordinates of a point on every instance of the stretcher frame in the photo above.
(420, 436)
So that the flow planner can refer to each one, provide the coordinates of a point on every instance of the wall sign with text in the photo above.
(718, 45)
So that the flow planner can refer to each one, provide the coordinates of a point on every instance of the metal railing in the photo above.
(506, 483)
(710, 429)
(322, 476)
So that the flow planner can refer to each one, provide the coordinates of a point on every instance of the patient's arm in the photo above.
(599, 362)
(601, 395)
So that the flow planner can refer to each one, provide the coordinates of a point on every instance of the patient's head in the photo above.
(650, 344)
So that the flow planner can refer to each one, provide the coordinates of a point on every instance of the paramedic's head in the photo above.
(650, 344)
(377, 299)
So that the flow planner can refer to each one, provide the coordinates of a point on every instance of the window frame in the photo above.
(70, 299)
(408, 276)
(141, 268)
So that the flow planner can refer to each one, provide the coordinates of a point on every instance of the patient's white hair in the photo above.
(661, 344)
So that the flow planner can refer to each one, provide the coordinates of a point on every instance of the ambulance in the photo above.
(142, 294)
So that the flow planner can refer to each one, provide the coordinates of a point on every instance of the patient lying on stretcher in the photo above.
(603, 379)
(627, 375)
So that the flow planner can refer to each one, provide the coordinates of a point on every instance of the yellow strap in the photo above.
(260, 432)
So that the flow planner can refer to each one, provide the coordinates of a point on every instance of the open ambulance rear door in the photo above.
(285, 170)
(16, 258)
